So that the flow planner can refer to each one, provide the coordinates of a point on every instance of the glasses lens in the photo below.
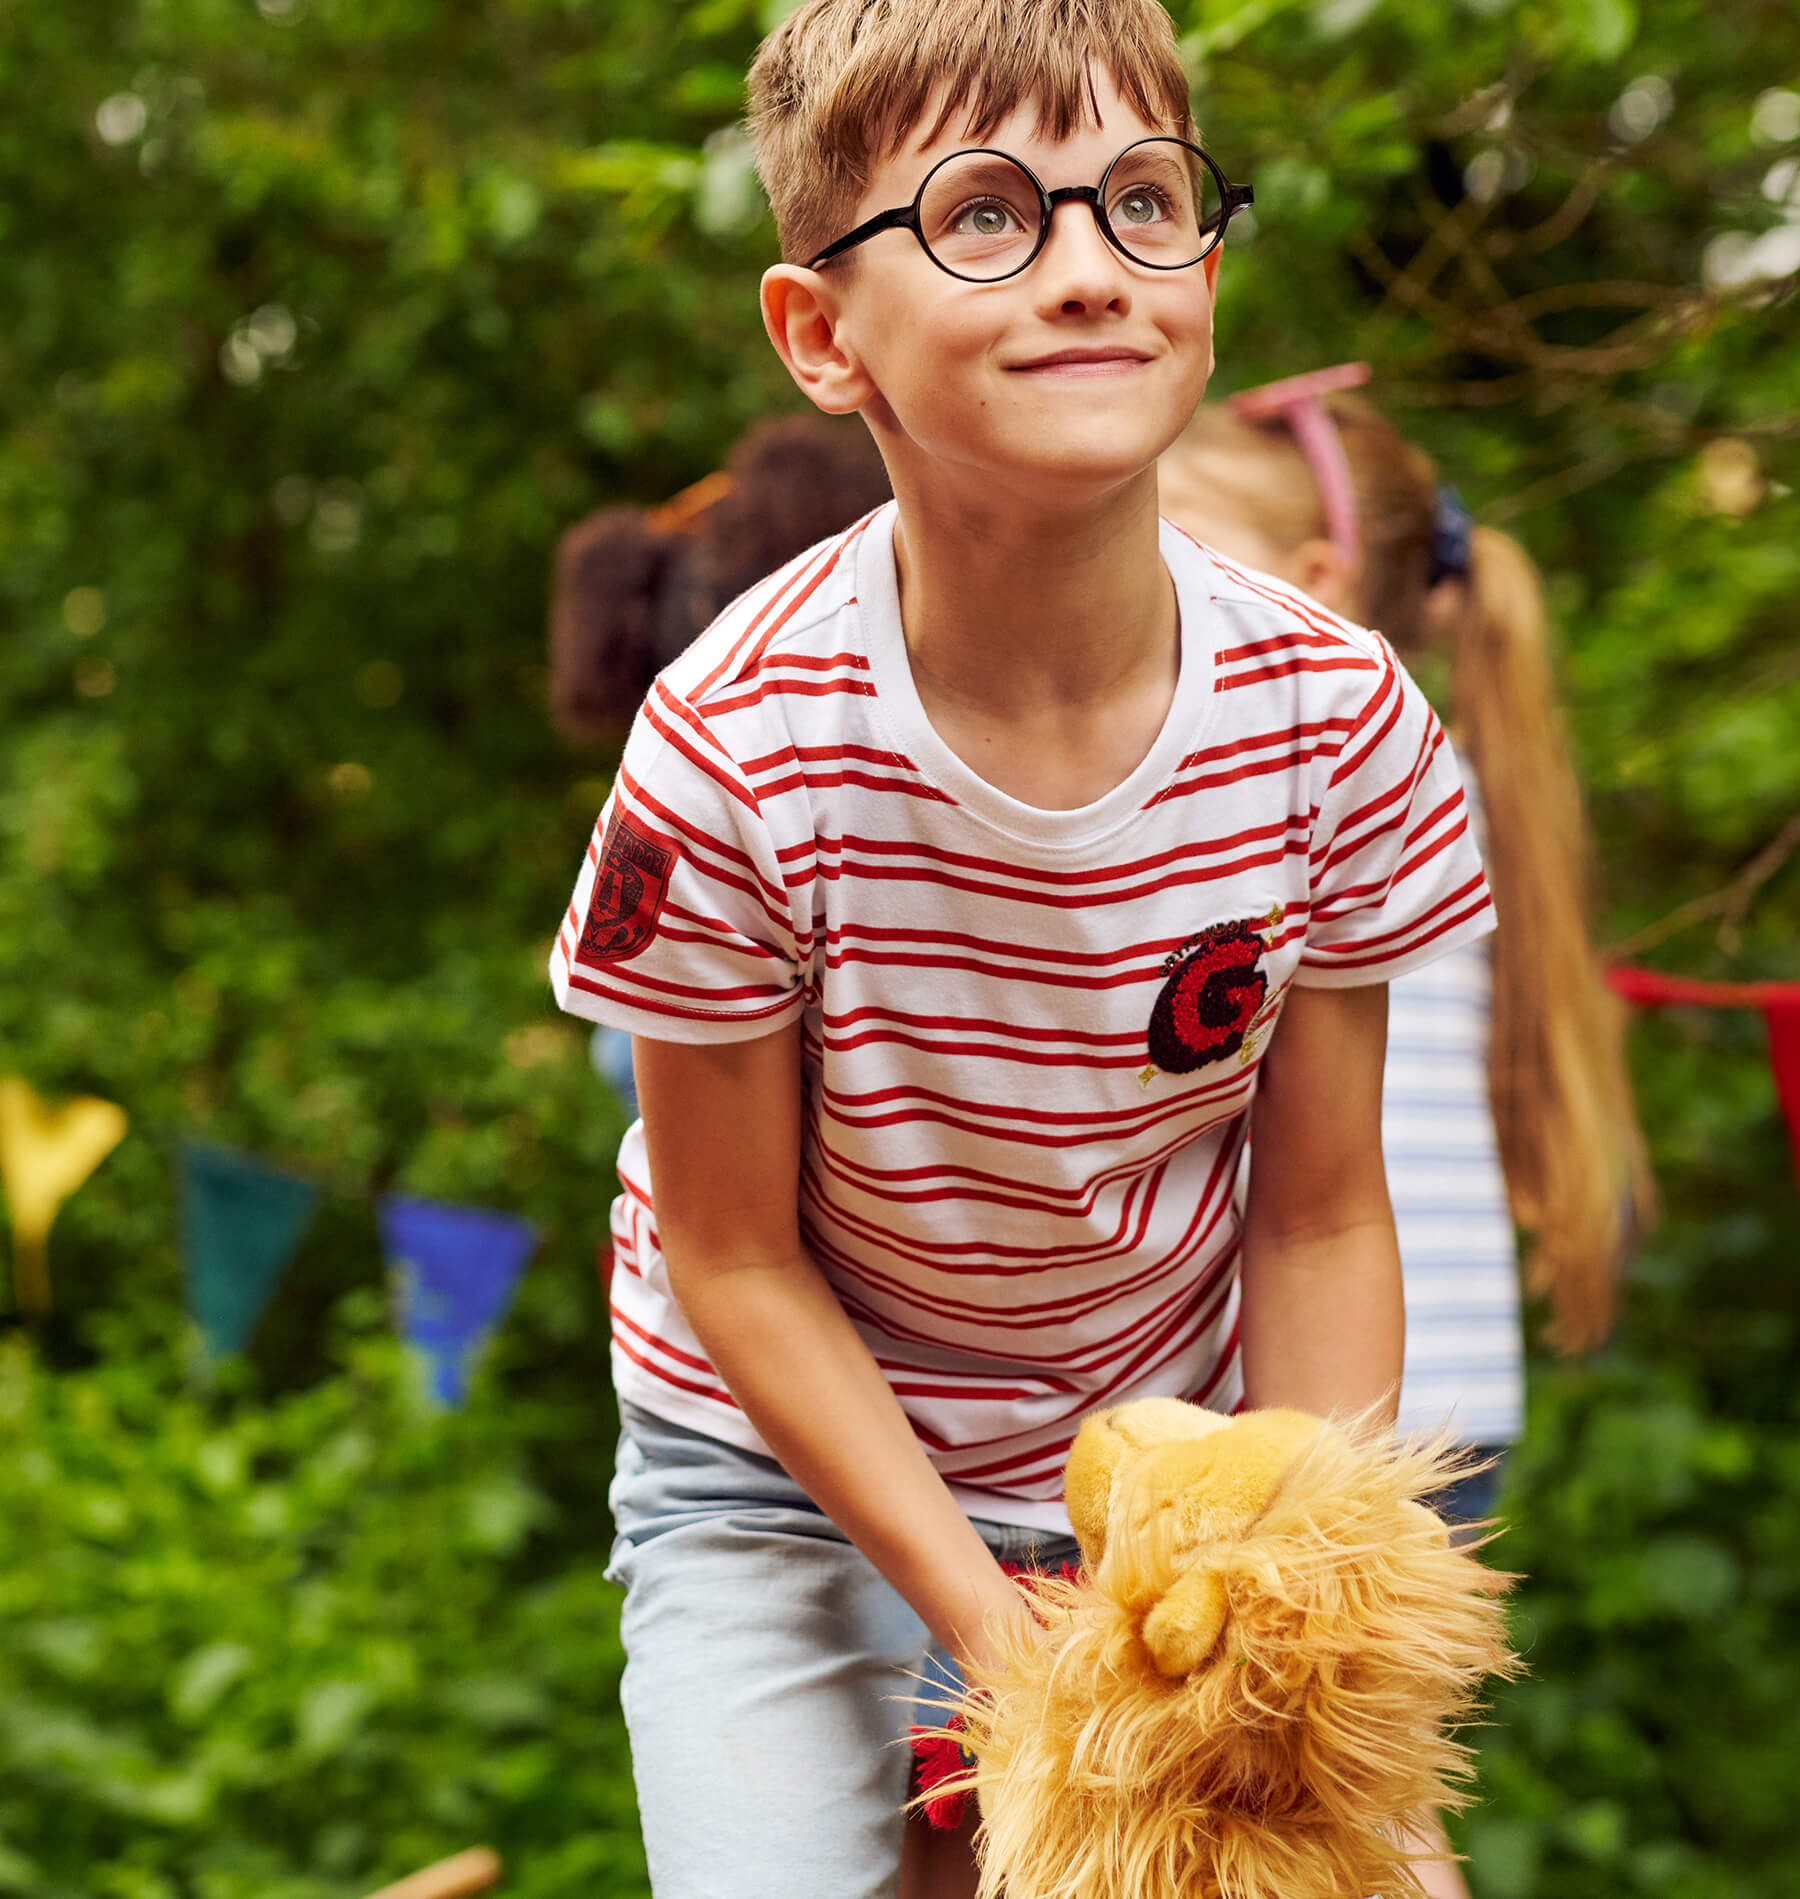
(1162, 202)
(979, 216)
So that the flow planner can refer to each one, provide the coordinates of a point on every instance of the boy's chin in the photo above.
(1072, 463)
(1085, 460)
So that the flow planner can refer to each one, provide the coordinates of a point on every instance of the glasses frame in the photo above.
(1232, 199)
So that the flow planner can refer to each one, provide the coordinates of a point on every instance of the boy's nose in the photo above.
(1078, 269)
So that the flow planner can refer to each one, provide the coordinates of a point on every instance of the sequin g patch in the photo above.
(1213, 996)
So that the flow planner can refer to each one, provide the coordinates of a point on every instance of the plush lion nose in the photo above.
(1184, 1628)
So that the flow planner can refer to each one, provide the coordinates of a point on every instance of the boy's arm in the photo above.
(722, 1122)
(1323, 1316)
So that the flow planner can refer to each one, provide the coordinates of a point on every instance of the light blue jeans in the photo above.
(771, 1675)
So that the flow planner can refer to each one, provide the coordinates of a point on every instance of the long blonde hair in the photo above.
(1576, 1171)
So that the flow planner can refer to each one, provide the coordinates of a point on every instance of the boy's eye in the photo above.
(1140, 206)
(987, 217)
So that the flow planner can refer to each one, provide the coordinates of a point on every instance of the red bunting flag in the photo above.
(1778, 1001)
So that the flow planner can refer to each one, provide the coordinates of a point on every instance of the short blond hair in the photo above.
(839, 85)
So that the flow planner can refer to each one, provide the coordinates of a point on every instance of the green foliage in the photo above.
(293, 1648)
(320, 318)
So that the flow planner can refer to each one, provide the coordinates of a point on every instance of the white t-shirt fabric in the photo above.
(1029, 1038)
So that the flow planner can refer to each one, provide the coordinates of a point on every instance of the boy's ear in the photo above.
(1319, 568)
(801, 312)
(1210, 264)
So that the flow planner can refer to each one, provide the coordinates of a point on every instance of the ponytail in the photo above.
(1576, 1170)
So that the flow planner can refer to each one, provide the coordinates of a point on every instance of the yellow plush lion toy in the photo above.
(1250, 1688)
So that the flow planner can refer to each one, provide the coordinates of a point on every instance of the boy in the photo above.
(963, 887)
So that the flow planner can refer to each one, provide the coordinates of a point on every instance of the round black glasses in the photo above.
(983, 216)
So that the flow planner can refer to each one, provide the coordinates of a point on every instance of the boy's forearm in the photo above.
(1324, 1319)
(804, 1378)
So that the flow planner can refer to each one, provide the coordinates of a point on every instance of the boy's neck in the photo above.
(1044, 644)
(1012, 611)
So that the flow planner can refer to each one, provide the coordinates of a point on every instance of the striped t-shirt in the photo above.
(1465, 1355)
(1028, 1037)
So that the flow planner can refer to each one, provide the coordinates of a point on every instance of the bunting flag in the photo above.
(1778, 1001)
(47, 1152)
(610, 1052)
(457, 1267)
(241, 1223)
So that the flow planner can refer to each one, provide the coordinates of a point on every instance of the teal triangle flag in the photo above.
(241, 1223)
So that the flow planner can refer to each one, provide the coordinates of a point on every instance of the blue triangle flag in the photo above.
(457, 1268)
(241, 1223)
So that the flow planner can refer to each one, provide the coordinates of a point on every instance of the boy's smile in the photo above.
(1082, 362)
(1066, 379)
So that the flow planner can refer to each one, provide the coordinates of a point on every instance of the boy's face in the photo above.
(1070, 378)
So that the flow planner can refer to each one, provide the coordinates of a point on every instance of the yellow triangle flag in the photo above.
(45, 1154)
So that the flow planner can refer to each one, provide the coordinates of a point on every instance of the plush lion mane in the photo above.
(1351, 1637)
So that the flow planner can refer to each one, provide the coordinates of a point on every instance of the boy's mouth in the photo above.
(1107, 361)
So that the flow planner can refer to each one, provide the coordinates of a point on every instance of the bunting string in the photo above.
(1778, 1002)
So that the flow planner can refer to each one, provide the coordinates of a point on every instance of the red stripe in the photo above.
(763, 689)
(1291, 736)
(774, 902)
(1341, 960)
(1468, 887)
(751, 660)
(1347, 663)
(1059, 881)
(1095, 1249)
(1404, 788)
(827, 755)
(690, 1359)
(646, 1005)
(717, 1393)
(677, 741)
(1137, 893)
(738, 658)
(1386, 701)
(1278, 643)
(803, 781)
(1242, 774)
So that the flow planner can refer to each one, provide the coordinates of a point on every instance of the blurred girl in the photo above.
(1506, 1101)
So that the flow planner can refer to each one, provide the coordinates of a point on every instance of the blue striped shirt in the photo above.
(1464, 1355)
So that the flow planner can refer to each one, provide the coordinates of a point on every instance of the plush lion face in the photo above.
(1152, 1487)
(1252, 1685)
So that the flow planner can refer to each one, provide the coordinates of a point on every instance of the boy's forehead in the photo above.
(1082, 153)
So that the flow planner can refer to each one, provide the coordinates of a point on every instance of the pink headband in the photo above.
(1296, 400)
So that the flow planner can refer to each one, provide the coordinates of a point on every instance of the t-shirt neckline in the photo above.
(901, 710)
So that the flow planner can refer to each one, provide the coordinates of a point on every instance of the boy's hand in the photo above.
(1324, 1318)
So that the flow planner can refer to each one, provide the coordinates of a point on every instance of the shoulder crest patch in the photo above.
(629, 888)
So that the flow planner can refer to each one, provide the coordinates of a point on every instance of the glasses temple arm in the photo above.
(905, 218)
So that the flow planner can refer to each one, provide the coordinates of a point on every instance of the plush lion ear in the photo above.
(1088, 1481)
(1236, 1473)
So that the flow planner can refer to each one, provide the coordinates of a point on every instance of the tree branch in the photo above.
(1730, 902)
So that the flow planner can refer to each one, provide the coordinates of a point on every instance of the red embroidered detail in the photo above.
(936, 1759)
(630, 885)
(1211, 998)
(938, 1755)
